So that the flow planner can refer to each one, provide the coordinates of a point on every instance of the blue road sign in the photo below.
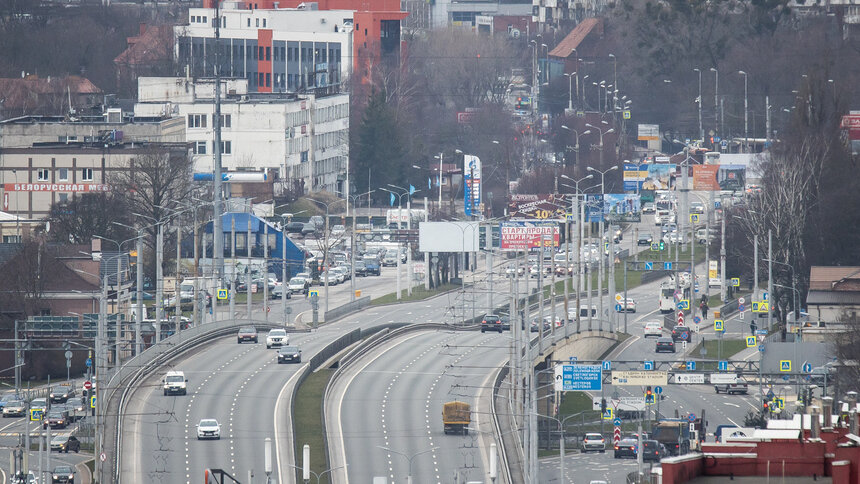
(784, 365)
(658, 390)
(719, 325)
(616, 422)
(723, 365)
(582, 377)
(649, 266)
(667, 266)
(89, 362)
(572, 359)
(764, 296)
(655, 246)
(608, 414)
(697, 320)
(761, 348)
(761, 332)
(770, 394)
(741, 307)
(618, 308)
(807, 367)
(717, 204)
(691, 365)
(649, 365)
(691, 417)
(607, 365)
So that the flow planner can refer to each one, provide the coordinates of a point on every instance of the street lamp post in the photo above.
(716, 101)
(600, 267)
(615, 79)
(118, 287)
(699, 102)
(576, 146)
(746, 113)
(570, 90)
(409, 458)
(610, 130)
(352, 248)
(325, 251)
(576, 233)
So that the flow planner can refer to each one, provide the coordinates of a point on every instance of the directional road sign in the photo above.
(616, 422)
(807, 367)
(607, 365)
(691, 365)
(649, 365)
(578, 377)
(649, 266)
(719, 326)
(222, 294)
(780, 402)
(761, 332)
(658, 390)
(736, 282)
(717, 204)
(684, 304)
(667, 266)
(784, 365)
(723, 365)
(618, 308)
(764, 296)
(751, 342)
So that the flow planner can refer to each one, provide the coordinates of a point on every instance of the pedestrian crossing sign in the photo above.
(36, 414)
(694, 217)
(751, 342)
(607, 415)
(93, 401)
(736, 282)
(222, 294)
(718, 325)
(314, 293)
(784, 365)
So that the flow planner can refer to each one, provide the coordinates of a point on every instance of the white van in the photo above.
(174, 383)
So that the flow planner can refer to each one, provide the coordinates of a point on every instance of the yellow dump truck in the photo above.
(456, 417)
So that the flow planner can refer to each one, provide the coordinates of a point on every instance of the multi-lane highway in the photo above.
(388, 407)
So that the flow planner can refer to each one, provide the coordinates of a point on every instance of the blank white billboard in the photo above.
(448, 237)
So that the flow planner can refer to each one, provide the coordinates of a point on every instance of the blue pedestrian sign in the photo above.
(764, 296)
(658, 390)
(570, 378)
(717, 204)
(649, 266)
(784, 365)
(89, 362)
(655, 246)
(649, 365)
(607, 365)
(719, 325)
(723, 365)
(691, 365)
(617, 308)
(683, 304)
(667, 266)
(616, 422)
(691, 417)
(807, 367)
(608, 414)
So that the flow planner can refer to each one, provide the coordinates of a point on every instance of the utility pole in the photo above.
(248, 269)
(770, 278)
(176, 284)
(139, 308)
(217, 192)
(723, 278)
(233, 277)
(266, 271)
(159, 282)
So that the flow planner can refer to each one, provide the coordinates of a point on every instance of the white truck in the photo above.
(175, 383)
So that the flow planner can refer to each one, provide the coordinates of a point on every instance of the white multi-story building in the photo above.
(303, 137)
(276, 50)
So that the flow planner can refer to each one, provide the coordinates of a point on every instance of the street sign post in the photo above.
(751, 342)
(578, 377)
(648, 365)
(723, 365)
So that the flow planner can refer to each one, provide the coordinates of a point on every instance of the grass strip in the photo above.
(307, 418)
(418, 293)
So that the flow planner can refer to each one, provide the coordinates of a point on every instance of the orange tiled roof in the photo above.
(154, 44)
(566, 47)
(823, 277)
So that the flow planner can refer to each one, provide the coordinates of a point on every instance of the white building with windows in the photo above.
(304, 138)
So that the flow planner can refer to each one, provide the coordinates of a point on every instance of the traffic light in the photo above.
(649, 395)
(662, 245)
(602, 405)
(765, 405)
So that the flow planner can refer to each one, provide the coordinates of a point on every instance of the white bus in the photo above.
(666, 298)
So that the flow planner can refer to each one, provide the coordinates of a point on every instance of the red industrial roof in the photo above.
(570, 43)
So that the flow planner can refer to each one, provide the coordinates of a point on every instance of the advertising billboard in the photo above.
(648, 132)
(660, 176)
(449, 237)
(594, 207)
(526, 235)
(472, 176)
(539, 207)
(634, 176)
(621, 207)
(705, 177)
(732, 177)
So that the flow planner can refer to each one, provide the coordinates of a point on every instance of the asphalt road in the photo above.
(395, 402)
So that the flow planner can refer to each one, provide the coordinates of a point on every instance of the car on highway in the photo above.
(57, 419)
(697, 207)
(294, 227)
(298, 285)
(739, 386)
(360, 269)
(593, 442)
(175, 383)
(247, 333)
(63, 473)
(512, 270)
(208, 428)
(292, 354)
(681, 333)
(491, 322)
(652, 451)
(390, 259)
(62, 394)
(371, 266)
(653, 328)
(9, 397)
(40, 403)
(338, 230)
(65, 443)
(665, 344)
(547, 325)
(277, 337)
(14, 408)
(308, 229)
(649, 207)
(625, 305)
(625, 448)
(645, 238)
(30, 478)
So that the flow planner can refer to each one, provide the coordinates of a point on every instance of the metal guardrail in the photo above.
(124, 380)
(497, 429)
(341, 311)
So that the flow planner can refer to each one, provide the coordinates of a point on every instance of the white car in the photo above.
(298, 285)
(622, 305)
(208, 428)
(653, 328)
(277, 337)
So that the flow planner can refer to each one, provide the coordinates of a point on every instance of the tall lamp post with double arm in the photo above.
(611, 255)
(576, 146)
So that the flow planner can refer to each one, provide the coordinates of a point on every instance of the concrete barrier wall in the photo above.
(341, 311)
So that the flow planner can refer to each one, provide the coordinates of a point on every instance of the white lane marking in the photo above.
(278, 404)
